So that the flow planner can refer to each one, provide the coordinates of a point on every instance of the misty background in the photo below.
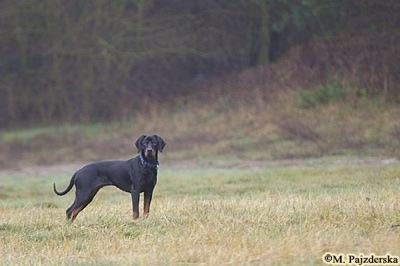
(83, 61)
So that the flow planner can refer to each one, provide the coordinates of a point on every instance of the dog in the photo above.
(134, 176)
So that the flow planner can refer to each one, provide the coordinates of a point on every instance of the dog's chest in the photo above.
(148, 177)
(144, 177)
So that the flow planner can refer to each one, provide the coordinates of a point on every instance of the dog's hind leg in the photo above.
(69, 211)
(75, 213)
(81, 201)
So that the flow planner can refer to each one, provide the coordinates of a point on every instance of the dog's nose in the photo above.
(149, 148)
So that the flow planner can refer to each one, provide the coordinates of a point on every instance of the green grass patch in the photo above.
(29, 134)
(200, 215)
(329, 92)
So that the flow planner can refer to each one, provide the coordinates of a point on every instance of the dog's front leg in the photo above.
(135, 203)
(147, 200)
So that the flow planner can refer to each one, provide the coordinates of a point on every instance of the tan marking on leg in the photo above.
(75, 213)
(146, 209)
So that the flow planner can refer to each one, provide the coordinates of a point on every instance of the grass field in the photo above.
(234, 187)
(260, 214)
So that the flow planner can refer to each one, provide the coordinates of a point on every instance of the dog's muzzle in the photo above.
(149, 150)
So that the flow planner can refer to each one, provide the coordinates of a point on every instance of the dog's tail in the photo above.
(71, 184)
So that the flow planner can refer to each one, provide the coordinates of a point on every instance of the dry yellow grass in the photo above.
(223, 131)
(257, 216)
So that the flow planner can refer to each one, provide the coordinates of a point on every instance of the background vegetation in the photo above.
(92, 61)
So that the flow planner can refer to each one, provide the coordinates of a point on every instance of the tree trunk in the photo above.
(260, 34)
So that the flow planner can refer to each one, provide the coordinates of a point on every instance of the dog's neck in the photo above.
(143, 160)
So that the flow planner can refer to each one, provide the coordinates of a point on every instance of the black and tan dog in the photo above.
(135, 176)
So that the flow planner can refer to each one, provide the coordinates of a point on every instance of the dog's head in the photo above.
(148, 146)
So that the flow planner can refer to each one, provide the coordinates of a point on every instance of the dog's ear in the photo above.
(161, 143)
(138, 142)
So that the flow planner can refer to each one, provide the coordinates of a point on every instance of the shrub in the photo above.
(321, 95)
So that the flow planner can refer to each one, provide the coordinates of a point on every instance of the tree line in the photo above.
(80, 61)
